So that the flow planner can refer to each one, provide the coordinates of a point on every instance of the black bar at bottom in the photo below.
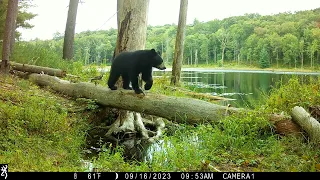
(161, 175)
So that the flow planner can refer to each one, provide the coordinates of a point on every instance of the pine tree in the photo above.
(264, 58)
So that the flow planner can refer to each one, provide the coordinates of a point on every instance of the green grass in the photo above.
(37, 132)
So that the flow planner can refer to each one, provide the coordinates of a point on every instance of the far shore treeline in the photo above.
(290, 40)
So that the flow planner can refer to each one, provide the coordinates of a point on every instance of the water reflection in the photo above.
(249, 88)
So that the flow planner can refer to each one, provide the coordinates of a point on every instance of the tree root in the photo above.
(131, 125)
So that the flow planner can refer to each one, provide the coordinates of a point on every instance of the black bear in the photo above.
(129, 65)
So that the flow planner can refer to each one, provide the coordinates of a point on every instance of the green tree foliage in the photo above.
(290, 39)
(264, 58)
(22, 19)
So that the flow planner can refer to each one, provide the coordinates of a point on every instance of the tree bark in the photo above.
(14, 26)
(37, 69)
(12, 7)
(179, 46)
(133, 25)
(70, 30)
(307, 123)
(177, 109)
(119, 12)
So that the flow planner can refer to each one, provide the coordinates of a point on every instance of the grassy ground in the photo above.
(40, 132)
(37, 132)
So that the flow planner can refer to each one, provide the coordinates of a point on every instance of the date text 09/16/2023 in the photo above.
(186, 175)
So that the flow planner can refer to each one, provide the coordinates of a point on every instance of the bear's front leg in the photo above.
(126, 81)
(148, 84)
(147, 77)
(135, 85)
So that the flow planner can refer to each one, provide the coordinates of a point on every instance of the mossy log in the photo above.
(177, 109)
(37, 69)
(307, 123)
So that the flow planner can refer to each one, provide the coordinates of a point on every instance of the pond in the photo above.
(247, 88)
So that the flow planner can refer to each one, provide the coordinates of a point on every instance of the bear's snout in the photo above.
(161, 66)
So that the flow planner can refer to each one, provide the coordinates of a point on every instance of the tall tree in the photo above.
(223, 36)
(10, 20)
(14, 26)
(179, 46)
(132, 32)
(70, 30)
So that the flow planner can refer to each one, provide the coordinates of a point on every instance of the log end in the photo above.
(284, 125)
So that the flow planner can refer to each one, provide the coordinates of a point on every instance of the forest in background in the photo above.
(290, 40)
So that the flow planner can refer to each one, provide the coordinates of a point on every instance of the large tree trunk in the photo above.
(132, 31)
(179, 46)
(308, 123)
(177, 109)
(70, 30)
(10, 19)
(133, 25)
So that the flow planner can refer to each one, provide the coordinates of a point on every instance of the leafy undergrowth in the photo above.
(39, 133)
(304, 92)
(36, 132)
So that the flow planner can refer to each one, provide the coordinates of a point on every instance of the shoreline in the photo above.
(237, 69)
(246, 70)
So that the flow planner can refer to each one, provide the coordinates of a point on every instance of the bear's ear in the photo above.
(152, 50)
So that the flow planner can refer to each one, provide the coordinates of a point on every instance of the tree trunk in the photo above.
(133, 25)
(222, 54)
(277, 58)
(215, 54)
(191, 56)
(119, 11)
(12, 7)
(167, 52)
(132, 31)
(177, 109)
(302, 60)
(179, 46)
(14, 26)
(196, 57)
(70, 30)
(308, 123)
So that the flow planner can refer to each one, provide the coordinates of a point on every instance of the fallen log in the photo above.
(37, 69)
(307, 123)
(178, 109)
(284, 125)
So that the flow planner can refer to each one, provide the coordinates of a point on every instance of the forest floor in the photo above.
(42, 130)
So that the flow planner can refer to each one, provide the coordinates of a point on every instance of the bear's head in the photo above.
(157, 61)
